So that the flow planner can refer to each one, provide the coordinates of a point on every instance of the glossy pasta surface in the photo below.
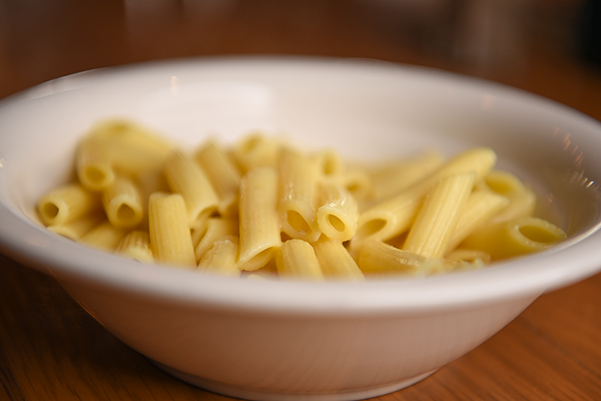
(263, 209)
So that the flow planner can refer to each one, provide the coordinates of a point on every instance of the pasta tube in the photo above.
(376, 257)
(337, 217)
(105, 237)
(67, 203)
(520, 205)
(120, 146)
(392, 217)
(185, 177)
(335, 261)
(131, 148)
(123, 203)
(390, 180)
(256, 150)
(522, 200)
(222, 258)
(223, 174)
(216, 228)
(93, 164)
(170, 238)
(298, 185)
(296, 259)
(329, 163)
(76, 229)
(514, 238)
(259, 225)
(481, 206)
(267, 272)
(462, 259)
(136, 246)
(356, 181)
(438, 217)
(148, 182)
(479, 160)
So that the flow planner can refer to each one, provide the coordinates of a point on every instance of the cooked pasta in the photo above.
(296, 259)
(67, 203)
(170, 238)
(223, 174)
(185, 177)
(259, 226)
(262, 209)
(298, 191)
(437, 219)
(338, 212)
(136, 246)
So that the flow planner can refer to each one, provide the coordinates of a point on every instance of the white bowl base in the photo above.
(256, 395)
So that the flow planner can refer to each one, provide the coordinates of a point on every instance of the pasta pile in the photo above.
(261, 208)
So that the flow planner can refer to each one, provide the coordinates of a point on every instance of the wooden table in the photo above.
(50, 349)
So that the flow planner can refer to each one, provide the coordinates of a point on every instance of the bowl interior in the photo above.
(368, 110)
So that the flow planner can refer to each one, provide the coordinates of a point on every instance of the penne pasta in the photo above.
(481, 206)
(94, 165)
(222, 258)
(118, 146)
(392, 217)
(67, 203)
(390, 180)
(263, 210)
(169, 233)
(123, 203)
(267, 272)
(223, 175)
(216, 228)
(329, 163)
(335, 261)
(338, 214)
(104, 236)
(131, 147)
(520, 205)
(465, 259)
(186, 178)
(136, 245)
(515, 238)
(297, 187)
(356, 181)
(259, 225)
(296, 260)
(256, 150)
(436, 221)
(378, 258)
(522, 200)
(76, 229)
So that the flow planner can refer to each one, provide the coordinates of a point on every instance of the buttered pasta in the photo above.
(262, 209)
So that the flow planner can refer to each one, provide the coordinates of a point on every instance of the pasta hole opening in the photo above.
(335, 222)
(50, 210)
(539, 234)
(370, 228)
(95, 175)
(125, 213)
(353, 187)
(297, 222)
(207, 214)
(503, 185)
(328, 166)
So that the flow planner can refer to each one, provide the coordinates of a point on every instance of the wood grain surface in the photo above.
(51, 349)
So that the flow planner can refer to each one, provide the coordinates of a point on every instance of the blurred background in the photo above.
(549, 47)
(525, 43)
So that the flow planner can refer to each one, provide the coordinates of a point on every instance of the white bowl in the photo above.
(296, 340)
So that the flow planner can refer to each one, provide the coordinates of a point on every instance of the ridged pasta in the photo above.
(260, 209)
